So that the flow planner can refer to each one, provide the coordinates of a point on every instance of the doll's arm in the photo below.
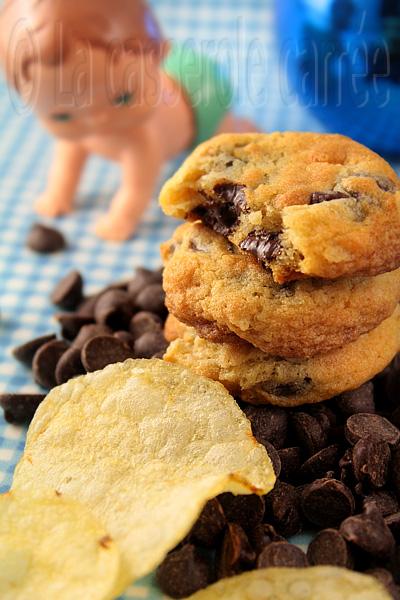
(65, 173)
(141, 167)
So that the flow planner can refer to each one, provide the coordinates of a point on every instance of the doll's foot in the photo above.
(51, 206)
(114, 228)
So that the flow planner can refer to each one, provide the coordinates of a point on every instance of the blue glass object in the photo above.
(341, 59)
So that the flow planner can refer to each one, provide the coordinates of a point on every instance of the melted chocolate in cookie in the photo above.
(287, 389)
(222, 212)
(385, 183)
(381, 181)
(318, 197)
(265, 246)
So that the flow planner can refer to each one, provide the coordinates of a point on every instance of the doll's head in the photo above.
(87, 67)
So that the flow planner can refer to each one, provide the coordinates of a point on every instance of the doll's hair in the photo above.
(47, 29)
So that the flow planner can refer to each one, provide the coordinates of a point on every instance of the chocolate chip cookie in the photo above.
(260, 379)
(304, 204)
(224, 292)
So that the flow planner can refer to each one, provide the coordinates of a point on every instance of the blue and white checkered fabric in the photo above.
(26, 279)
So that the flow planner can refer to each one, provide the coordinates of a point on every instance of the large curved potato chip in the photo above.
(145, 445)
(54, 549)
(316, 583)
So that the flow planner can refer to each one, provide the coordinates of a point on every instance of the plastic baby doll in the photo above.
(102, 79)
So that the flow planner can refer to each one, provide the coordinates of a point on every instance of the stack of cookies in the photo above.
(284, 283)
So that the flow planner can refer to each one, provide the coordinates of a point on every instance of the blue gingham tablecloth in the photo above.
(26, 279)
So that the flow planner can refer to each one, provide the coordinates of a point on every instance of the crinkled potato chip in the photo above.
(316, 583)
(54, 549)
(145, 445)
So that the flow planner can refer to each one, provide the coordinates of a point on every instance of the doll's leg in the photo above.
(141, 171)
(233, 124)
(69, 160)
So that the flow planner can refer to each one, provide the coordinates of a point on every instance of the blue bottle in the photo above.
(342, 61)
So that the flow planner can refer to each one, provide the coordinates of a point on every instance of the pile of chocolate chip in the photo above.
(124, 320)
(337, 463)
(338, 469)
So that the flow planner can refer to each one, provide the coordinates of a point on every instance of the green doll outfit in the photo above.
(210, 93)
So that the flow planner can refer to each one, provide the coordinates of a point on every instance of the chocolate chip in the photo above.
(325, 417)
(282, 509)
(69, 366)
(318, 197)
(395, 471)
(395, 417)
(269, 424)
(393, 564)
(371, 458)
(362, 425)
(392, 389)
(393, 522)
(346, 464)
(286, 389)
(120, 286)
(19, 409)
(386, 579)
(309, 432)
(383, 575)
(114, 309)
(387, 386)
(320, 463)
(222, 213)
(208, 529)
(183, 572)
(265, 246)
(369, 532)
(327, 502)
(290, 463)
(329, 548)
(232, 194)
(68, 292)
(144, 322)
(262, 535)
(72, 323)
(150, 344)
(125, 337)
(45, 240)
(246, 511)
(360, 400)
(385, 502)
(142, 279)
(385, 183)
(152, 299)
(274, 458)
(281, 554)
(101, 351)
(221, 218)
(45, 362)
(235, 554)
(88, 332)
(26, 352)
(87, 306)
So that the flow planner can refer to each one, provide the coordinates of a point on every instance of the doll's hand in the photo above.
(51, 205)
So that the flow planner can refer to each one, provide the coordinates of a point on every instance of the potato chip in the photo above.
(53, 549)
(316, 583)
(145, 445)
